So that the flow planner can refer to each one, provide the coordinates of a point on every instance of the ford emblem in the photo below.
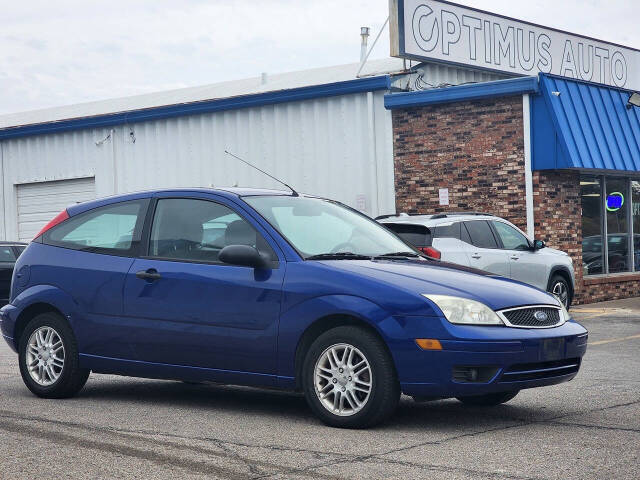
(541, 316)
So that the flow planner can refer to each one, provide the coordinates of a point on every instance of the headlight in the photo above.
(564, 312)
(464, 311)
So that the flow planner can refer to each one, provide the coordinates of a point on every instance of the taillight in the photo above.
(431, 252)
(61, 217)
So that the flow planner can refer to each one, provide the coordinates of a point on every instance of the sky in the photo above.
(64, 52)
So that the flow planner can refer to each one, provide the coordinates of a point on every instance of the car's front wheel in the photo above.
(48, 358)
(489, 400)
(349, 378)
(560, 288)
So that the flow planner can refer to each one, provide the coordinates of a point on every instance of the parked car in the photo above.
(272, 289)
(488, 243)
(9, 252)
(618, 253)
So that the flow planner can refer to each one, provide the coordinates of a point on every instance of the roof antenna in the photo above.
(293, 192)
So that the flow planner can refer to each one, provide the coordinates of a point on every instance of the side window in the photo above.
(480, 234)
(114, 228)
(448, 231)
(511, 238)
(6, 254)
(196, 230)
(19, 249)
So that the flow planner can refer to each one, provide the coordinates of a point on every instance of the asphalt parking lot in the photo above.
(130, 428)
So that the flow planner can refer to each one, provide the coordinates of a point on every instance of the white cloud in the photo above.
(61, 52)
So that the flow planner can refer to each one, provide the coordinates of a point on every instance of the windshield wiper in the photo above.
(397, 255)
(339, 256)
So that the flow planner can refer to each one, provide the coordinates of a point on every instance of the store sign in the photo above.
(615, 201)
(446, 32)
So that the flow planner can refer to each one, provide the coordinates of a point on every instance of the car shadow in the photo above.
(444, 415)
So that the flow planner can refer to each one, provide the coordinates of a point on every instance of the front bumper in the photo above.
(507, 358)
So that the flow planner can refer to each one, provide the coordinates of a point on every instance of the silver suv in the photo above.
(488, 243)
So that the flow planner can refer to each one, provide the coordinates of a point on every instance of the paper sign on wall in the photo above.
(443, 194)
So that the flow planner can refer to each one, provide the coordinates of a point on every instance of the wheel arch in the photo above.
(566, 274)
(29, 313)
(324, 324)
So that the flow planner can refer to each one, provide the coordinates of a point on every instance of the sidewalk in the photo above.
(621, 308)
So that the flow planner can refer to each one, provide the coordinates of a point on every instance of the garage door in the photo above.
(39, 202)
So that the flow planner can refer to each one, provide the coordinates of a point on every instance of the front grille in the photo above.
(533, 317)
(540, 370)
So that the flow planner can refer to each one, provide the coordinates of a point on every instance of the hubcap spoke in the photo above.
(44, 356)
(343, 379)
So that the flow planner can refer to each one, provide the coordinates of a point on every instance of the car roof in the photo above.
(229, 192)
(437, 219)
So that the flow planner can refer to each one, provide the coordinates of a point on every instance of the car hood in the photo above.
(441, 278)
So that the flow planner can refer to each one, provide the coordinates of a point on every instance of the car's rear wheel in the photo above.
(349, 378)
(489, 400)
(560, 288)
(48, 358)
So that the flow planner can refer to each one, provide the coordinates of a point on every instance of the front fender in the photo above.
(295, 321)
(38, 294)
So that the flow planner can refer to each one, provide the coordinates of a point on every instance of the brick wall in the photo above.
(476, 150)
(557, 213)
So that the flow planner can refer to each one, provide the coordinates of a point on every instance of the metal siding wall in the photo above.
(338, 147)
(52, 157)
(323, 146)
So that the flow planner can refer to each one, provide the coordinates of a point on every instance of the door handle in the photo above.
(476, 256)
(151, 274)
(515, 257)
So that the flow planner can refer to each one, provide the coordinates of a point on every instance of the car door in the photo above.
(192, 310)
(7, 260)
(484, 252)
(527, 265)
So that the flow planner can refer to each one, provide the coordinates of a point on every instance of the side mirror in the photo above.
(243, 255)
(538, 244)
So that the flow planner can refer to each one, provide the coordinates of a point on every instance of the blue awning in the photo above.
(577, 125)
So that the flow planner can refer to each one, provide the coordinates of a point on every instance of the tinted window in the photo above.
(480, 234)
(19, 249)
(447, 231)
(417, 235)
(114, 228)
(511, 238)
(6, 254)
(196, 230)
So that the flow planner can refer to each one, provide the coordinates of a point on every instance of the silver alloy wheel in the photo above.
(45, 356)
(560, 291)
(343, 379)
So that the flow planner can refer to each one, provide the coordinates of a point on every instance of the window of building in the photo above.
(611, 210)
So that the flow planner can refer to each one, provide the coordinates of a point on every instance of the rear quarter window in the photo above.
(417, 235)
(113, 229)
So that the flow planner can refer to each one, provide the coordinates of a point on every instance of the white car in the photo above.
(488, 243)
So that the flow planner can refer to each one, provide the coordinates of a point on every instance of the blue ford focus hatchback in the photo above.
(274, 289)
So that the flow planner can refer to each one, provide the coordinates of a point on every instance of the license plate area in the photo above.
(552, 349)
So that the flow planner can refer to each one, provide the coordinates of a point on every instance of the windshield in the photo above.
(320, 227)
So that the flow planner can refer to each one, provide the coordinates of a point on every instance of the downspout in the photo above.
(4, 203)
(528, 173)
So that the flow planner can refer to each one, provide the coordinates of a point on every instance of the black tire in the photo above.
(385, 388)
(561, 282)
(489, 400)
(71, 378)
